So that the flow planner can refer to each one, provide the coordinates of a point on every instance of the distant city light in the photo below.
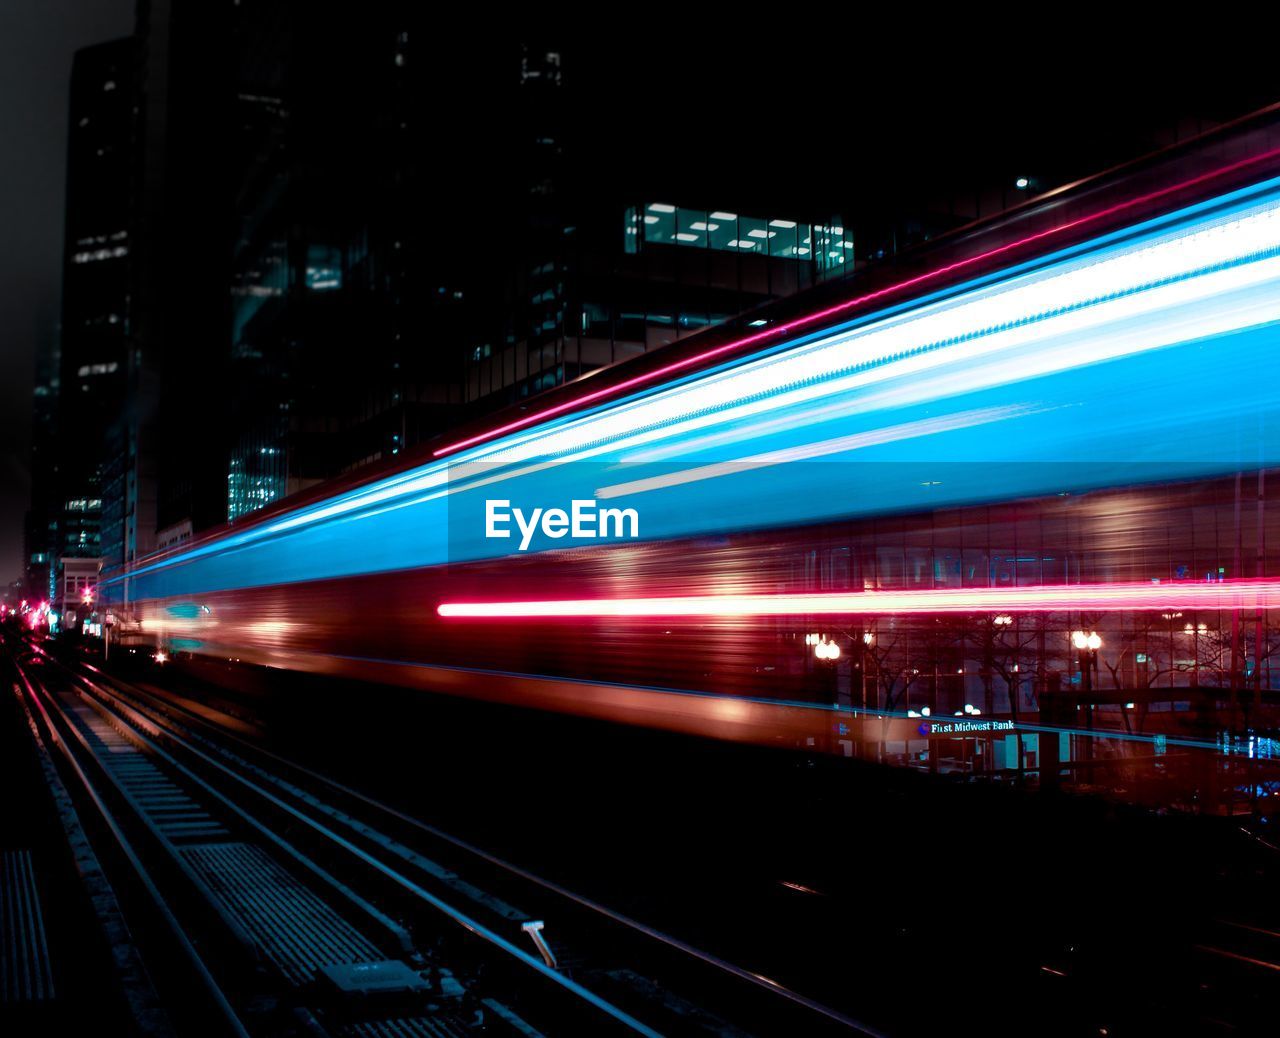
(1022, 183)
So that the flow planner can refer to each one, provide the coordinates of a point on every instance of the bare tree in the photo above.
(892, 662)
(1005, 646)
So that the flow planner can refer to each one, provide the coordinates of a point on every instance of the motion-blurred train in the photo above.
(1050, 415)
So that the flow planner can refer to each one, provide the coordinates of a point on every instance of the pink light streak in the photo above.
(808, 320)
(1103, 598)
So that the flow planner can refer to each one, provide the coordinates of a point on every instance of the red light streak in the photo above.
(800, 323)
(1104, 598)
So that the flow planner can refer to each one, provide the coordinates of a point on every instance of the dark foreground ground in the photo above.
(916, 904)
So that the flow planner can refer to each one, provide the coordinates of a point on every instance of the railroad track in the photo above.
(299, 905)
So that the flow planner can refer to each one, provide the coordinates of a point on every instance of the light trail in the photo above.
(1103, 598)
(910, 384)
(815, 318)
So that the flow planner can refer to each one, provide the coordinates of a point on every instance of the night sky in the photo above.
(818, 114)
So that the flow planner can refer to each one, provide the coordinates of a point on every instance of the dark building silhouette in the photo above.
(606, 267)
(95, 299)
(344, 294)
(176, 429)
(41, 522)
(340, 237)
(424, 238)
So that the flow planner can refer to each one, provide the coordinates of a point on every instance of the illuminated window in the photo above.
(660, 223)
(324, 268)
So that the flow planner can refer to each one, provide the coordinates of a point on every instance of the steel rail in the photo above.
(756, 980)
(569, 986)
(230, 1017)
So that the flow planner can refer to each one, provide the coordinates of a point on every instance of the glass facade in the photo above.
(827, 246)
(673, 271)
(93, 358)
(258, 472)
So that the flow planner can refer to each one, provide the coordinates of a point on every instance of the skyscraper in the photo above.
(95, 296)
(41, 523)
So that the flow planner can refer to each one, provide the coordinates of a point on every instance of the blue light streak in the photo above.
(1056, 360)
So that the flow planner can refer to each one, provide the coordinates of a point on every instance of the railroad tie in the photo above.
(295, 928)
(25, 972)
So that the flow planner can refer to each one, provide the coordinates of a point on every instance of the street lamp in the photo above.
(868, 640)
(1088, 646)
(829, 651)
(1091, 641)
(822, 649)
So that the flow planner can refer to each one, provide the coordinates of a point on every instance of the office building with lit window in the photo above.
(378, 297)
(92, 365)
(345, 300)
(40, 524)
(628, 279)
